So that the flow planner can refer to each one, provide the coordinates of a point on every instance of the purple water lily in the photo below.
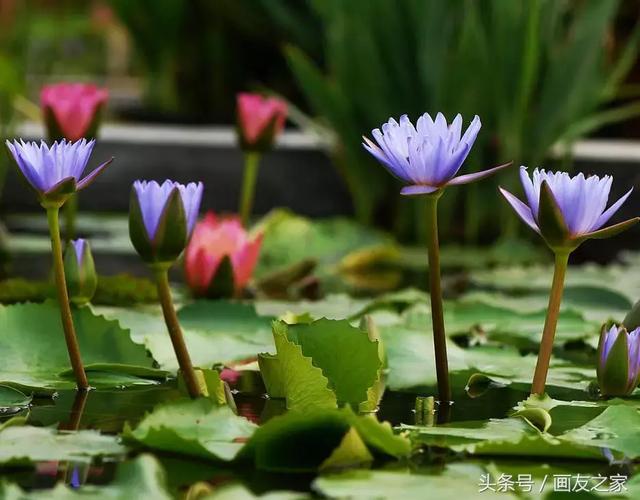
(153, 198)
(47, 168)
(581, 200)
(618, 360)
(429, 155)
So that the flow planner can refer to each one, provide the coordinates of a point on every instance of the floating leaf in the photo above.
(198, 428)
(35, 355)
(337, 360)
(454, 482)
(306, 441)
(142, 477)
(23, 444)
(12, 398)
(215, 332)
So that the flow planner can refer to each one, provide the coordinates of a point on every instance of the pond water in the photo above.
(108, 411)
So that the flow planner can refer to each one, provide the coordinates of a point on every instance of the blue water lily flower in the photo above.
(618, 360)
(55, 172)
(429, 155)
(567, 210)
(162, 217)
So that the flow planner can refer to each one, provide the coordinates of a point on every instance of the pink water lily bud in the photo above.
(72, 110)
(221, 257)
(259, 120)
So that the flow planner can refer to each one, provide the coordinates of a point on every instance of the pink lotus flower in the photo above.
(220, 258)
(71, 110)
(260, 120)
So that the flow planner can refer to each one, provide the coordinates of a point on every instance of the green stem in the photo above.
(251, 162)
(549, 332)
(63, 299)
(435, 290)
(70, 211)
(175, 332)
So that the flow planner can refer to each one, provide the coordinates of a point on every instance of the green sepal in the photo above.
(613, 373)
(171, 235)
(223, 283)
(137, 230)
(610, 231)
(82, 281)
(264, 142)
(551, 222)
(58, 194)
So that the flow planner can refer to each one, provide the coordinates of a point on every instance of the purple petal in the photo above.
(471, 133)
(93, 175)
(191, 198)
(152, 198)
(379, 155)
(418, 189)
(604, 218)
(609, 339)
(523, 211)
(78, 246)
(532, 197)
(475, 176)
(29, 173)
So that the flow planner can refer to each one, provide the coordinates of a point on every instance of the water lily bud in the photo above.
(259, 121)
(162, 217)
(80, 272)
(55, 172)
(618, 360)
(220, 258)
(72, 110)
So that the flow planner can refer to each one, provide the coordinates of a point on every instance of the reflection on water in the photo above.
(109, 410)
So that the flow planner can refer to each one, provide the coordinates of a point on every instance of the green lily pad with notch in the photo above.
(322, 439)
(198, 428)
(326, 364)
(142, 477)
(36, 359)
(23, 445)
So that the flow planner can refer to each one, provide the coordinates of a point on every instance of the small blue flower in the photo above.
(578, 206)
(429, 155)
(48, 168)
(153, 198)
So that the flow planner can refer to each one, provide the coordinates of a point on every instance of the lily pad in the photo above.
(142, 477)
(215, 332)
(35, 355)
(12, 398)
(454, 482)
(320, 439)
(198, 428)
(23, 444)
(327, 363)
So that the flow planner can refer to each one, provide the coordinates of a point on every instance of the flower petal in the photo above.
(475, 176)
(418, 189)
(94, 174)
(523, 211)
(602, 220)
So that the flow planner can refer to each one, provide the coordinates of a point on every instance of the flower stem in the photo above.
(63, 299)
(251, 162)
(435, 290)
(549, 332)
(70, 211)
(175, 332)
